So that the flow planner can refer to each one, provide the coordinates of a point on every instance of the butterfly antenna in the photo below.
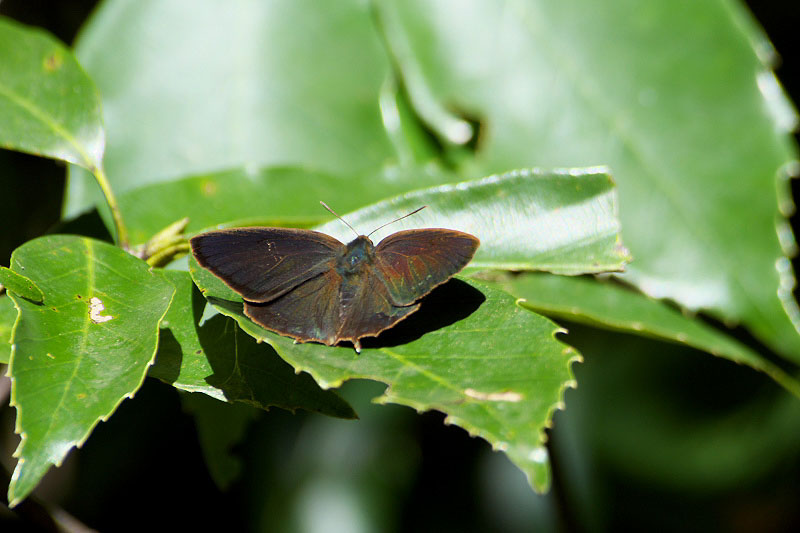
(397, 219)
(337, 216)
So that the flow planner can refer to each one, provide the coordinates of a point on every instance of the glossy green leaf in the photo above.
(268, 196)
(48, 105)
(559, 221)
(470, 351)
(8, 315)
(671, 95)
(611, 306)
(76, 357)
(215, 357)
(20, 284)
(189, 89)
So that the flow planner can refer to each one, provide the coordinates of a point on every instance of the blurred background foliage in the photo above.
(655, 434)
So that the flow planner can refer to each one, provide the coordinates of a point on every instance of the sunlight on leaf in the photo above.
(470, 351)
(687, 124)
(76, 357)
(562, 221)
(21, 285)
(188, 97)
(48, 105)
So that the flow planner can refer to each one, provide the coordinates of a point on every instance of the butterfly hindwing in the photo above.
(411, 263)
(262, 264)
(311, 287)
(367, 307)
(309, 312)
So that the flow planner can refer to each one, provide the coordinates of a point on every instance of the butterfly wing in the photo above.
(263, 264)
(309, 312)
(411, 263)
(367, 308)
(330, 308)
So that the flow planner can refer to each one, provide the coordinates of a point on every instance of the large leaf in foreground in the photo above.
(671, 95)
(559, 221)
(611, 306)
(470, 351)
(48, 105)
(218, 359)
(76, 357)
(190, 88)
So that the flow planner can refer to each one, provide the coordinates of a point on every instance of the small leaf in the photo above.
(8, 315)
(470, 352)
(48, 105)
(218, 359)
(77, 357)
(560, 221)
(220, 426)
(614, 307)
(20, 285)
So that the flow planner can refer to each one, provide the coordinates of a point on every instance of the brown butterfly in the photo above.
(311, 287)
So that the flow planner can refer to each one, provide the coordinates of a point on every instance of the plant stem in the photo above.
(119, 224)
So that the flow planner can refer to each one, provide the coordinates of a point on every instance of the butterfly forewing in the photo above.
(263, 264)
(411, 263)
(309, 286)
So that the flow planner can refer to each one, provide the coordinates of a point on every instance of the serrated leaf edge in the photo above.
(13, 499)
(387, 396)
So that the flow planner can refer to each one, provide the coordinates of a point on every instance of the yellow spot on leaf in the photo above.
(209, 188)
(53, 62)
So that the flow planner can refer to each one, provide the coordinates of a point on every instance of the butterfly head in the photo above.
(358, 252)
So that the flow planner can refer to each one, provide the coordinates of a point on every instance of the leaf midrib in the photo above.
(660, 179)
(90, 278)
(49, 121)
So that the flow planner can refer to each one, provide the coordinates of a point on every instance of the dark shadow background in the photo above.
(144, 467)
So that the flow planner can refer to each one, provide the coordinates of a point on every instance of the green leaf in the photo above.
(268, 196)
(562, 221)
(218, 359)
(76, 358)
(671, 95)
(493, 368)
(20, 285)
(249, 83)
(611, 306)
(8, 315)
(559, 221)
(219, 427)
(48, 105)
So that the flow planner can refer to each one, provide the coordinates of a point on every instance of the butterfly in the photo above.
(309, 286)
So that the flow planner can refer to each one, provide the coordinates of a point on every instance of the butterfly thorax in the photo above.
(358, 253)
